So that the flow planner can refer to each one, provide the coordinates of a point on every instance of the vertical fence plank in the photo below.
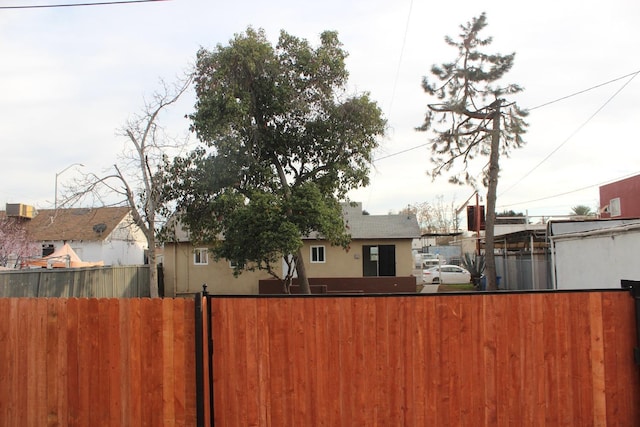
(73, 368)
(347, 382)
(146, 360)
(22, 392)
(252, 371)
(168, 366)
(597, 357)
(190, 364)
(6, 399)
(615, 399)
(39, 371)
(464, 357)
(381, 363)
(319, 344)
(114, 363)
(137, 361)
(102, 372)
(451, 380)
(418, 348)
(56, 363)
(124, 325)
(579, 317)
(92, 381)
(179, 362)
(15, 380)
(489, 342)
(155, 362)
(431, 359)
(264, 399)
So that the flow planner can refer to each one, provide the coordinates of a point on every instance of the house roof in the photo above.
(88, 224)
(362, 226)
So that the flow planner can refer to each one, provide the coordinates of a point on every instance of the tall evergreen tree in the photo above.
(473, 118)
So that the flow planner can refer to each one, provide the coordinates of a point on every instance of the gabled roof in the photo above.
(88, 224)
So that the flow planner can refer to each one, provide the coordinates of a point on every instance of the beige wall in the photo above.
(341, 263)
(182, 276)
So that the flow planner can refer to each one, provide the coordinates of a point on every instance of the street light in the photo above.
(55, 203)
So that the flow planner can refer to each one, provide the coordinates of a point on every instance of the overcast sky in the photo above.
(71, 76)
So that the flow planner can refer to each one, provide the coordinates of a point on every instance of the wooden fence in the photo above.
(95, 362)
(549, 358)
(543, 359)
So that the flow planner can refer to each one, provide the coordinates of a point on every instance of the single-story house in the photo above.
(380, 246)
(105, 234)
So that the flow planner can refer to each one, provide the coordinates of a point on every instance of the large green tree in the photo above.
(472, 118)
(283, 143)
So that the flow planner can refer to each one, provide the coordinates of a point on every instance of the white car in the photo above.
(450, 274)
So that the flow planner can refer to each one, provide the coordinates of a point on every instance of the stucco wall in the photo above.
(182, 276)
(341, 263)
(597, 262)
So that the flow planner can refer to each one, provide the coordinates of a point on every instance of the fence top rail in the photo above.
(417, 295)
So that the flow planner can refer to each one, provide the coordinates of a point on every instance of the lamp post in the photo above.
(55, 202)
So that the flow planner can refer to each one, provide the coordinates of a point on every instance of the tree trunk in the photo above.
(153, 267)
(492, 189)
(303, 280)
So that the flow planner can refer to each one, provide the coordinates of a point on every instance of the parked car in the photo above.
(451, 274)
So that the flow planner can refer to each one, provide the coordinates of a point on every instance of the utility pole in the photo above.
(490, 214)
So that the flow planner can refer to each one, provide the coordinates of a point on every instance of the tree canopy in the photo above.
(282, 144)
(581, 210)
(472, 118)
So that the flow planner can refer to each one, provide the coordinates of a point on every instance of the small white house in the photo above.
(594, 254)
(105, 234)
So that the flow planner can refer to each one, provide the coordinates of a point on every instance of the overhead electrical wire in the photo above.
(633, 75)
(571, 191)
(102, 3)
(404, 42)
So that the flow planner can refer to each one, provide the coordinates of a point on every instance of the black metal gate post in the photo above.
(634, 287)
(200, 414)
(208, 298)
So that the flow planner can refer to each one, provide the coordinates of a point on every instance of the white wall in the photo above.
(597, 261)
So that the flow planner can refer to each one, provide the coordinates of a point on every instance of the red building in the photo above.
(621, 199)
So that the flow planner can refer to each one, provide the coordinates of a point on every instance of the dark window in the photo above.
(47, 249)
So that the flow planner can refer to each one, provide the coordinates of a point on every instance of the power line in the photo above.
(633, 75)
(404, 42)
(104, 3)
(572, 191)
(401, 152)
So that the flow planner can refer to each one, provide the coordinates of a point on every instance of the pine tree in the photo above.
(473, 119)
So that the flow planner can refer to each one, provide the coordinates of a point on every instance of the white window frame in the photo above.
(198, 253)
(614, 207)
(321, 254)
